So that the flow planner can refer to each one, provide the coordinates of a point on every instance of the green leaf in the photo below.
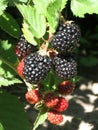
(7, 52)
(1, 127)
(35, 21)
(17, 1)
(5, 81)
(76, 79)
(13, 2)
(39, 5)
(63, 3)
(3, 5)
(12, 115)
(52, 17)
(42, 9)
(8, 61)
(53, 13)
(82, 7)
(40, 119)
(28, 33)
(9, 25)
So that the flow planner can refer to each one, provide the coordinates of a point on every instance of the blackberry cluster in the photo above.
(65, 67)
(66, 38)
(36, 67)
(23, 48)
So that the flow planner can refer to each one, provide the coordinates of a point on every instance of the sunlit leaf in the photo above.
(3, 5)
(82, 7)
(35, 20)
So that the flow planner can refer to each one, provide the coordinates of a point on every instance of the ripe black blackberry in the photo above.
(23, 48)
(64, 42)
(71, 28)
(66, 38)
(65, 67)
(36, 67)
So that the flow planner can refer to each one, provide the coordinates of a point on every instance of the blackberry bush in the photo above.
(23, 48)
(38, 25)
(36, 67)
(65, 66)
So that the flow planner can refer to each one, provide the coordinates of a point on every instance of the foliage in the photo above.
(80, 8)
(35, 21)
(12, 114)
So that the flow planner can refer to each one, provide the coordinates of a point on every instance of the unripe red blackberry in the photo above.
(20, 68)
(65, 66)
(61, 105)
(66, 87)
(36, 67)
(50, 100)
(54, 117)
(23, 48)
(33, 96)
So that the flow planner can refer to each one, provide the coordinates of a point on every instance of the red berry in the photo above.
(54, 117)
(61, 105)
(20, 68)
(50, 100)
(66, 87)
(33, 96)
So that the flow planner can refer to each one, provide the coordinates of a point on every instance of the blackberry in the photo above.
(23, 48)
(65, 67)
(64, 42)
(66, 38)
(36, 67)
(71, 28)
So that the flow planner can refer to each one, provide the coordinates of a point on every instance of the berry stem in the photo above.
(43, 49)
(44, 40)
(62, 19)
(51, 79)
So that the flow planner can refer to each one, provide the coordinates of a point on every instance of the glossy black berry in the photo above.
(23, 48)
(70, 28)
(66, 38)
(64, 42)
(36, 67)
(65, 66)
